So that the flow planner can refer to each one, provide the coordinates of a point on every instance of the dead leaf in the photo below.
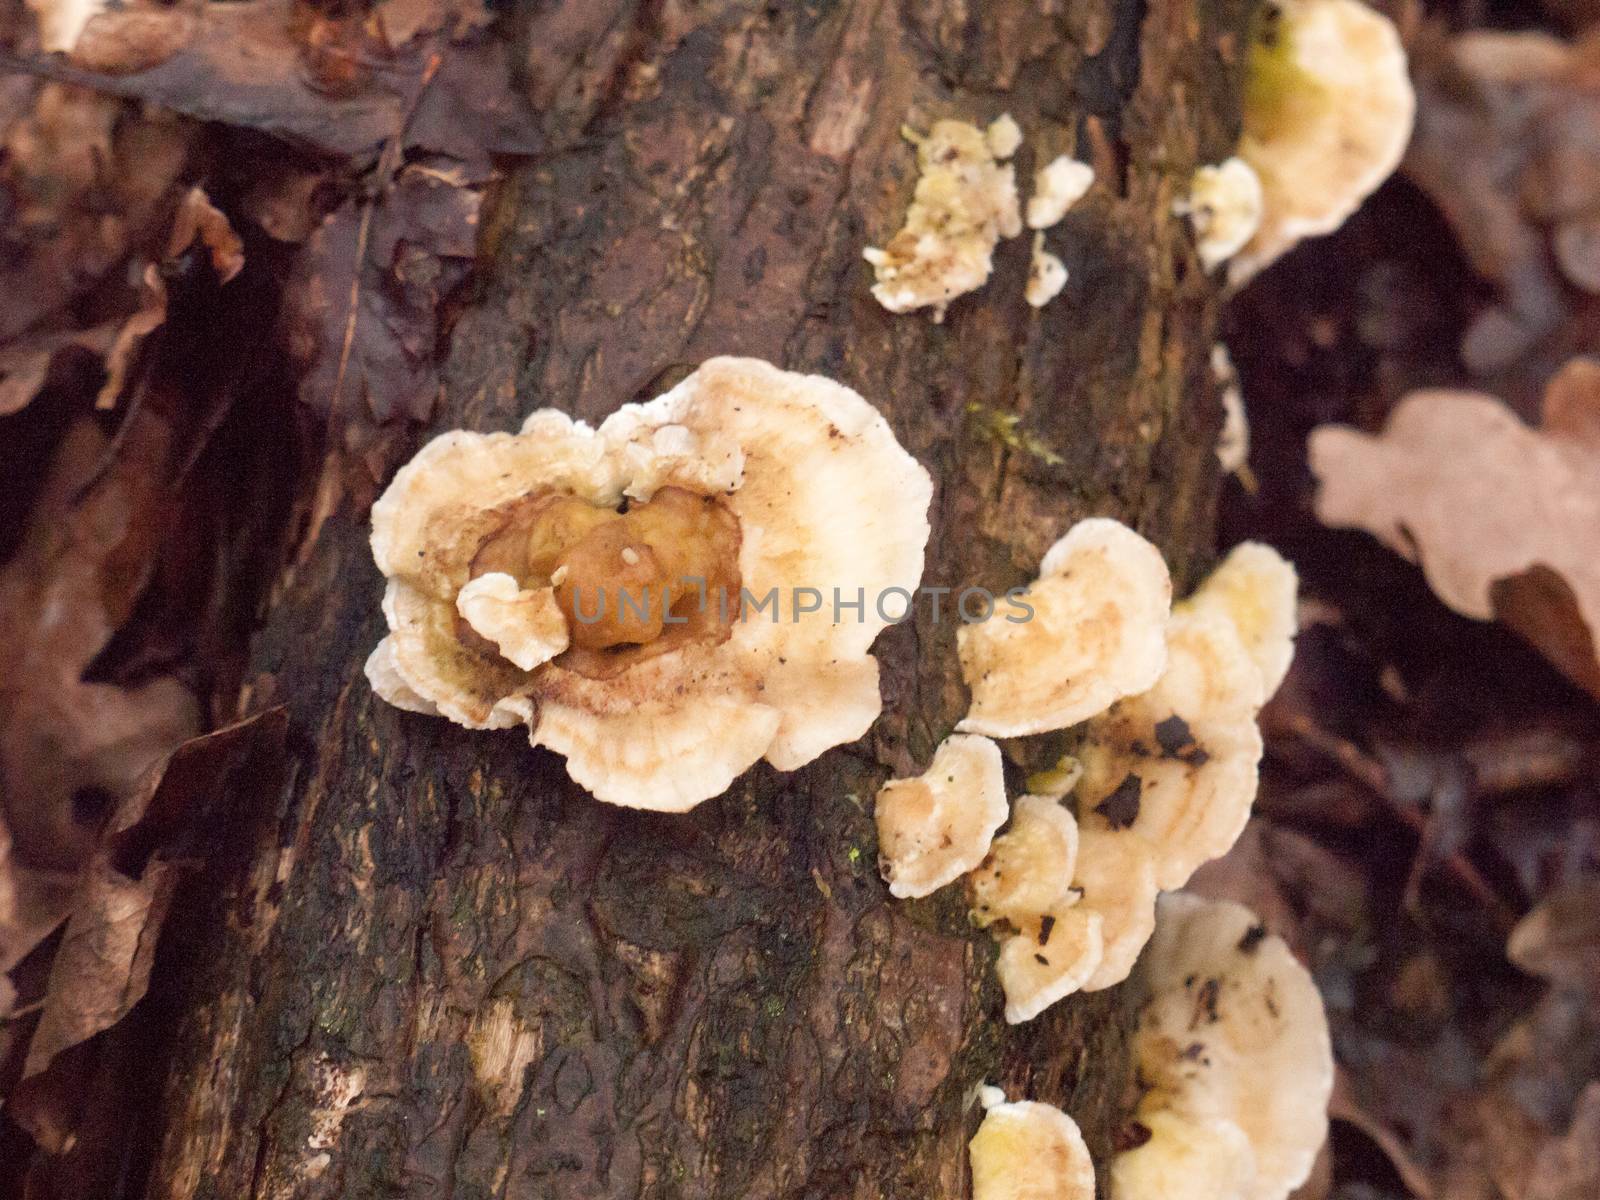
(1568, 1168)
(102, 966)
(1560, 939)
(25, 364)
(132, 39)
(196, 219)
(1458, 484)
(1507, 145)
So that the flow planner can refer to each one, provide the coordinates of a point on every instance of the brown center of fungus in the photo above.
(632, 582)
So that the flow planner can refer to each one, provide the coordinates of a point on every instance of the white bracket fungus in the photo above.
(1224, 205)
(1327, 114)
(1096, 634)
(965, 201)
(1057, 186)
(1047, 275)
(1025, 1150)
(649, 535)
(1169, 776)
(1234, 1047)
(1024, 894)
(936, 827)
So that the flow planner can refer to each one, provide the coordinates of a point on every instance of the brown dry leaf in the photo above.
(1560, 939)
(102, 966)
(1507, 145)
(1500, 516)
(196, 219)
(1568, 1167)
(371, 287)
(25, 364)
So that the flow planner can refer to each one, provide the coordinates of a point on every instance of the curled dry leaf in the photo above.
(102, 966)
(1502, 518)
(1507, 145)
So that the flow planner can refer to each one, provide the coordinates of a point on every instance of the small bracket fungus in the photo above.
(1096, 634)
(1328, 111)
(1175, 767)
(592, 583)
(1023, 893)
(1234, 1048)
(1225, 206)
(1057, 186)
(965, 201)
(1047, 275)
(1025, 1150)
(1257, 589)
(936, 827)
(1233, 440)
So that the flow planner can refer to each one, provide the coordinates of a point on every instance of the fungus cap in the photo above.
(748, 479)
(1328, 111)
(1096, 634)
(1235, 1029)
(1048, 959)
(1028, 871)
(1047, 275)
(934, 828)
(1257, 589)
(1025, 1150)
(965, 201)
(1057, 186)
(1176, 767)
(1225, 206)
(1186, 1158)
(527, 626)
(1116, 879)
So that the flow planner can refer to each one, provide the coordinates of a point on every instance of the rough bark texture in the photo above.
(436, 968)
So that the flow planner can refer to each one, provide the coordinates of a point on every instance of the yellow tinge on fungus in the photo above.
(1169, 776)
(1328, 112)
(1224, 205)
(965, 201)
(1234, 1049)
(1095, 634)
(936, 827)
(1023, 893)
(654, 539)
(1025, 1150)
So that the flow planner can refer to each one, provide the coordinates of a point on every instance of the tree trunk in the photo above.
(432, 965)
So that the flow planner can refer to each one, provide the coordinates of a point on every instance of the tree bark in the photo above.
(432, 966)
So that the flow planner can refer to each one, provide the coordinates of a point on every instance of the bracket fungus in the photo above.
(1224, 205)
(1095, 634)
(646, 537)
(1047, 275)
(1328, 111)
(1233, 1047)
(965, 201)
(1256, 588)
(936, 827)
(1025, 1150)
(1023, 893)
(1057, 186)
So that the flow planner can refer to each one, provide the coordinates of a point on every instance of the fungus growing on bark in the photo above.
(1025, 1150)
(1234, 1047)
(934, 828)
(1328, 111)
(1023, 893)
(1057, 186)
(1047, 275)
(1116, 883)
(1174, 768)
(965, 201)
(1224, 205)
(685, 544)
(1256, 588)
(1095, 634)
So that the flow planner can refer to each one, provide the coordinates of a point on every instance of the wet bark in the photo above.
(430, 965)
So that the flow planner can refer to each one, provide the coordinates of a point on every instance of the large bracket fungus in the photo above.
(623, 590)
(1328, 111)
(1233, 1048)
